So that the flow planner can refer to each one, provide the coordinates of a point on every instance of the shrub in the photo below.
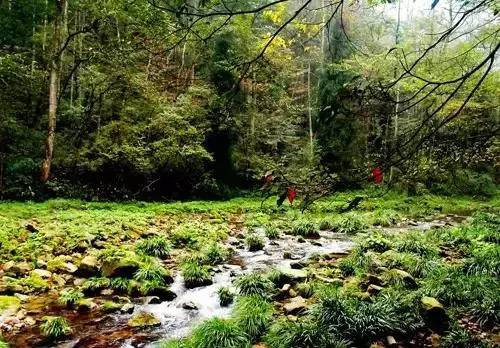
(120, 284)
(486, 313)
(219, 333)
(385, 218)
(184, 236)
(272, 232)
(461, 338)
(485, 259)
(473, 183)
(253, 314)
(3, 344)
(55, 327)
(302, 334)
(151, 271)
(347, 266)
(254, 242)
(214, 254)
(306, 229)
(68, 297)
(415, 243)
(376, 242)
(154, 246)
(94, 285)
(226, 296)
(306, 289)
(349, 224)
(278, 278)
(195, 274)
(325, 225)
(253, 284)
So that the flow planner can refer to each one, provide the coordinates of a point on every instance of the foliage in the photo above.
(349, 223)
(195, 275)
(272, 232)
(254, 242)
(69, 297)
(305, 229)
(253, 284)
(154, 246)
(214, 254)
(226, 296)
(219, 333)
(253, 315)
(55, 327)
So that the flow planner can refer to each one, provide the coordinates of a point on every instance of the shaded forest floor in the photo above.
(421, 270)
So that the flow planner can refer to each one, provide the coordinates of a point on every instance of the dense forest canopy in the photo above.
(171, 99)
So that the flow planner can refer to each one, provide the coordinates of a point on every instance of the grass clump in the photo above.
(253, 315)
(95, 284)
(226, 296)
(375, 242)
(253, 284)
(154, 246)
(385, 217)
(195, 274)
(272, 232)
(325, 225)
(153, 272)
(214, 254)
(55, 327)
(306, 229)
(349, 224)
(484, 260)
(254, 242)
(219, 333)
(416, 243)
(69, 297)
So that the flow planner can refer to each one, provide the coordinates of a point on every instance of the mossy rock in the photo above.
(144, 319)
(434, 314)
(9, 304)
(295, 275)
(110, 307)
(121, 268)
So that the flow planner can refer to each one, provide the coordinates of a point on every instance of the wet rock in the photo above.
(42, 273)
(298, 264)
(295, 275)
(122, 268)
(374, 279)
(107, 292)
(316, 243)
(110, 307)
(434, 314)
(127, 308)
(21, 314)
(412, 223)
(287, 255)
(163, 293)
(301, 240)
(31, 227)
(21, 297)
(407, 278)
(189, 306)
(30, 321)
(391, 341)
(20, 268)
(7, 266)
(374, 289)
(144, 319)
(274, 243)
(151, 300)
(286, 288)
(88, 267)
(297, 305)
(85, 305)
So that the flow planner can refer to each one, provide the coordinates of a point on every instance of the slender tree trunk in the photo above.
(396, 110)
(55, 67)
(309, 110)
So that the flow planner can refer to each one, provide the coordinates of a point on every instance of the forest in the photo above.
(249, 173)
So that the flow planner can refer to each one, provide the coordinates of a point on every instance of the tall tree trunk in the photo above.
(55, 68)
(396, 110)
(309, 110)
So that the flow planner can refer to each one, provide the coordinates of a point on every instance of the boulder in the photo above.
(42, 273)
(85, 305)
(374, 289)
(407, 278)
(69, 268)
(31, 227)
(88, 267)
(163, 293)
(434, 314)
(151, 300)
(144, 319)
(295, 275)
(121, 268)
(374, 279)
(20, 268)
(189, 306)
(127, 308)
(297, 305)
(298, 265)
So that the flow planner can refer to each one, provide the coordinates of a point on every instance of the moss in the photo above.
(9, 303)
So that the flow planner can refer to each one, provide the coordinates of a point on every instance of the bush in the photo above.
(485, 259)
(349, 224)
(69, 297)
(278, 278)
(385, 218)
(306, 290)
(415, 243)
(154, 246)
(253, 284)
(460, 338)
(347, 266)
(253, 315)
(306, 229)
(3, 344)
(195, 274)
(226, 296)
(325, 225)
(94, 285)
(254, 242)
(376, 242)
(302, 334)
(120, 284)
(153, 272)
(219, 333)
(272, 232)
(472, 183)
(55, 327)
(214, 254)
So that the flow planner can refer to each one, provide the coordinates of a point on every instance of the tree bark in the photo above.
(55, 68)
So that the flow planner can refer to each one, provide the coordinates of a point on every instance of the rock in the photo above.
(297, 305)
(107, 292)
(8, 266)
(127, 308)
(21, 314)
(391, 341)
(301, 240)
(110, 307)
(434, 314)
(374, 289)
(407, 278)
(69, 268)
(122, 268)
(151, 300)
(20, 268)
(79, 281)
(88, 267)
(286, 288)
(298, 264)
(374, 279)
(143, 319)
(316, 243)
(292, 293)
(9, 305)
(292, 318)
(163, 293)
(22, 297)
(336, 281)
(31, 227)
(434, 340)
(295, 275)
(189, 306)
(412, 223)
(30, 321)
(42, 273)
(85, 305)
(287, 255)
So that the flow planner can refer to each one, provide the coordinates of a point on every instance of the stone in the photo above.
(31, 227)
(374, 289)
(301, 240)
(79, 281)
(286, 288)
(292, 293)
(374, 279)
(85, 305)
(122, 268)
(407, 278)
(316, 243)
(297, 305)
(21, 268)
(6, 267)
(298, 264)
(151, 300)
(88, 267)
(144, 319)
(22, 297)
(163, 293)
(127, 308)
(287, 255)
(30, 321)
(70, 268)
(336, 281)
(42, 273)
(434, 314)
(391, 341)
(107, 292)
(295, 275)
(189, 306)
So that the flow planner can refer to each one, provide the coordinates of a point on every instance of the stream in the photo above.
(95, 330)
